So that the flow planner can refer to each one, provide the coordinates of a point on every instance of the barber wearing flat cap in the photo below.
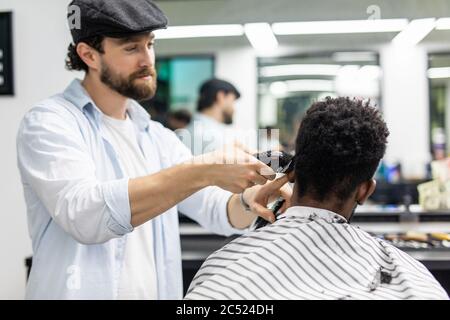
(103, 183)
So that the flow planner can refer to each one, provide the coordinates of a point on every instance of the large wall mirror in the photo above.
(288, 85)
(179, 81)
(439, 82)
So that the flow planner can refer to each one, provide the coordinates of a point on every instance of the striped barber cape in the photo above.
(311, 253)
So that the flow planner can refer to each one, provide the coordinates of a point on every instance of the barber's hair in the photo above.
(339, 146)
(209, 91)
(73, 60)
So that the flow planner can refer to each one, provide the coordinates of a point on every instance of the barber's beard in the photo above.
(227, 117)
(128, 87)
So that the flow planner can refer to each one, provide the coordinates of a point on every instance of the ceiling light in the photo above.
(278, 88)
(354, 56)
(339, 26)
(309, 85)
(443, 24)
(261, 37)
(435, 73)
(415, 32)
(217, 30)
(299, 69)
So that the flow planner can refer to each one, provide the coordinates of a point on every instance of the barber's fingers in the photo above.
(284, 192)
(260, 167)
(280, 188)
(287, 196)
(277, 183)
(263, 212)
(258, 172)
(263, 170)
(256, 178)
(244, 147)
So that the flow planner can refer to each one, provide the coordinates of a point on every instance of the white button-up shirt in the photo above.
(77, 200)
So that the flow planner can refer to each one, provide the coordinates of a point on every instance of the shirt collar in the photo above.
(312, 213)
(138, 115)
(77, 95)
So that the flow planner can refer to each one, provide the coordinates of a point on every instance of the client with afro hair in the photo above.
(312, 251)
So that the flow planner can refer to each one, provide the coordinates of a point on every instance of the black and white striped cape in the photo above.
(311, 253)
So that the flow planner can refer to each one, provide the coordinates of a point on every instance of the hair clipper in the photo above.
(280, 162)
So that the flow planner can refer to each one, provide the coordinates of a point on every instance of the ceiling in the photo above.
(242, 11)
(198, 12)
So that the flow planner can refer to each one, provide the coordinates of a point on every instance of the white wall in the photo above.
(40, 42)
(239, 66)
(406, 106)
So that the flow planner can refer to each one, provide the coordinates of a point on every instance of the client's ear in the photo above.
(365, 190)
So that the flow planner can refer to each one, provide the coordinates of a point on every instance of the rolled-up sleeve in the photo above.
(55, 162)
(209, 208)
(117, 200)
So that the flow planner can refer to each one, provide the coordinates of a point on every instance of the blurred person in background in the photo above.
(210, 127)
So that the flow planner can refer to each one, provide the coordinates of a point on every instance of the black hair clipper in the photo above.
(260, 222)
(280, 162)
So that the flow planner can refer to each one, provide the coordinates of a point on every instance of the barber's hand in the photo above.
(258, 197)
(234, 170)
(243, 147)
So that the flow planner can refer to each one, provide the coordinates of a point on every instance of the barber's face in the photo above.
(228, 108)
(128, 66)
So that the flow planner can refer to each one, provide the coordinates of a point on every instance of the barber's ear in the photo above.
(88, 55)
(220, 97)
(365, 190)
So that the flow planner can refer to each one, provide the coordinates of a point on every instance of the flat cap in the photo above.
(113, 18)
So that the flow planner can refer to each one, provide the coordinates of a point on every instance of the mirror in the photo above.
(439, 82)
(288, 85)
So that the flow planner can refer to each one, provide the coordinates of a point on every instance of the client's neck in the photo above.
(343, 208)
